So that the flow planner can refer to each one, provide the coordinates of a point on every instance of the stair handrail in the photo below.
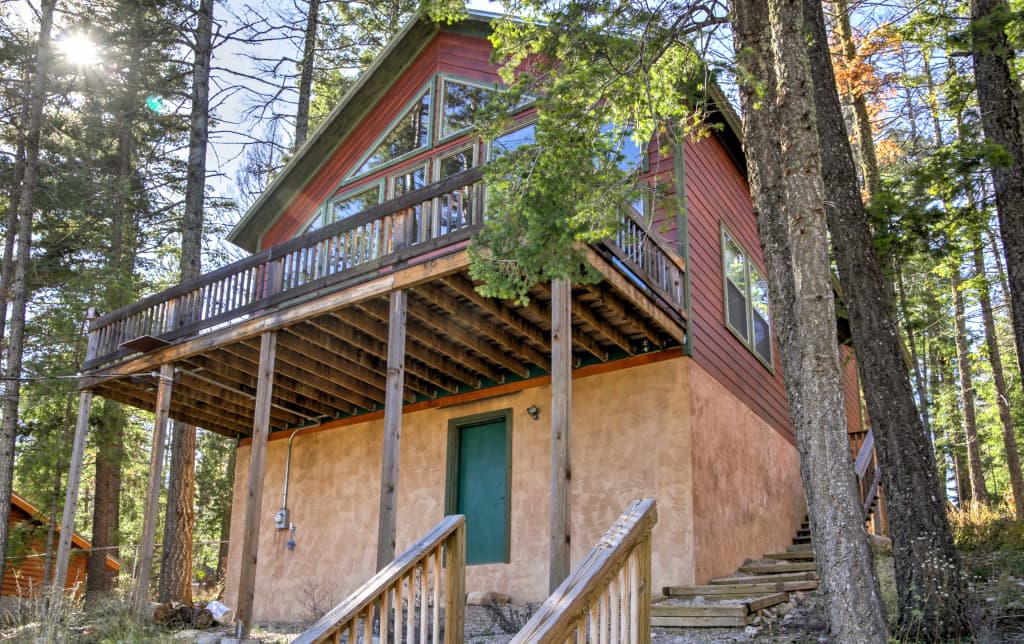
(607, 597)
(413, 571)
(869, 475)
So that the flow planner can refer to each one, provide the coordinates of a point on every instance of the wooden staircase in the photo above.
(738, 599)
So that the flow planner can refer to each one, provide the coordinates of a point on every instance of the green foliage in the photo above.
(985, 530)
(598, 75)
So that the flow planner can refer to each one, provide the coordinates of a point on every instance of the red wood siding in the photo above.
(851, 389)
(455, 54)
(718, 194)
(24, 578)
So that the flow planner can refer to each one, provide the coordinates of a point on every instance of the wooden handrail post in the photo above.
(644, 599)
(254, 496)
(561, 423)
(393, 386)
(156, 463)
(455, 587)
(60, 573)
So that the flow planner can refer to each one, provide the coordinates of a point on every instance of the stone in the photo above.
(880, 545)
(750, 631)
(479, 598)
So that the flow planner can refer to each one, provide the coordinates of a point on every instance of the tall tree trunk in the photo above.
(1001, 102)
(306, 73)
(938, 431)
(19, 284)
(915, 359)
(782, 156)
(11, 221)
(176, 567)
(995, 359)
(925, 558)
(970, 422)
(106, 514)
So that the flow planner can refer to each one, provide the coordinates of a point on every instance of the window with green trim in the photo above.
(520, 136)
(459, 104)
(746, 299)
(410, 133)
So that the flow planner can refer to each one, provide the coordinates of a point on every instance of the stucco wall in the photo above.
(748, 497)
(630, 439)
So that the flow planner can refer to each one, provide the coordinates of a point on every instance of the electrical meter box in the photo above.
(281, 519)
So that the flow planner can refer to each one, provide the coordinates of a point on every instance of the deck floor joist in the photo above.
(332, 349)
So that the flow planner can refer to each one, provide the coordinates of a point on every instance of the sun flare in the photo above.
(79, 50)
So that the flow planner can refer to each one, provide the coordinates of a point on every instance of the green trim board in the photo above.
(478, 483)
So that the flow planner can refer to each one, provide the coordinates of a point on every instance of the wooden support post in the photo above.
(561, 423)
(254, 496)
(60, 573)
(455, 587)
(392, 429)
(156, 464)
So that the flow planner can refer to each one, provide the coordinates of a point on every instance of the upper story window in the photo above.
(522, 135)
(746, 299)
(411, 132)
(346, 206)
(459, 104)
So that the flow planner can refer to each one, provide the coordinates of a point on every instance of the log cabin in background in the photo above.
(26, 563)
(373, 390)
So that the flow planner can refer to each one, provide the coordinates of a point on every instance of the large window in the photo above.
(459, 103)
(746, 299)
(410, 133)
(346, 206)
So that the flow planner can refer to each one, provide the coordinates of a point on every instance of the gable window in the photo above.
(513, 139)
(411, 132)
(459, 103)
(346, 206)
(746, 299)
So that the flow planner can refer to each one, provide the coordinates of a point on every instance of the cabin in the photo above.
(26, 564)
(373, 390)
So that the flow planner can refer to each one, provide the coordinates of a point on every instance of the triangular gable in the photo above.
(301, 186)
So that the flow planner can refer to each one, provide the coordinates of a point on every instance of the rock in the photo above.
(880, 545)
(750, 631)
(1015, 605)
(783, 608)
(479, 598)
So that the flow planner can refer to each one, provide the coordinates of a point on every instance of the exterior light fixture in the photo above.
(533, 411)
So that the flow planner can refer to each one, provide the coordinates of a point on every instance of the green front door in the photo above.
(481, 481)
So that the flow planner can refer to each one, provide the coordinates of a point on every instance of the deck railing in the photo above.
(650, 259)
(410, 227)
(607, 597)
(869, 476)
(402, 602)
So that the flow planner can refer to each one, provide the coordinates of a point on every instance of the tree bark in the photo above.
(225, 521)
(1001, 102)
(19, 284)
(782, 156)
(995, 360)
(967, 393)
(926, 561)
(306, 73)
(106, 514)
(176, 566)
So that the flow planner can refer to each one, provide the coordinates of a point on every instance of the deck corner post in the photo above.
(561, 424)
(254, 495)
(393, 387)
(152, 507)
(60, 573)
(455, 586)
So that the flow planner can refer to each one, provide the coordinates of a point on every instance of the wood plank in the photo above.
(769, 569)
(789, 556)
(753, 579)
(561, 429)
(740, 590)
(60, 573)
(254, 493)
(765, 602)
(689, 622)
(587, 315)
(610, 299)
(156, 464)
(392, 430)
(699, 610)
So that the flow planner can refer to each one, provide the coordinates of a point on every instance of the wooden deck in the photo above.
(326, 294)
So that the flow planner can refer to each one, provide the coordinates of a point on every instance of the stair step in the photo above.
(712, 613)
(790, 555)
(767, 602)
(769, 569)
(803, 532)
(800, 547)
(738, 590)
(756, 579)
(692, 622)
(799, 540)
